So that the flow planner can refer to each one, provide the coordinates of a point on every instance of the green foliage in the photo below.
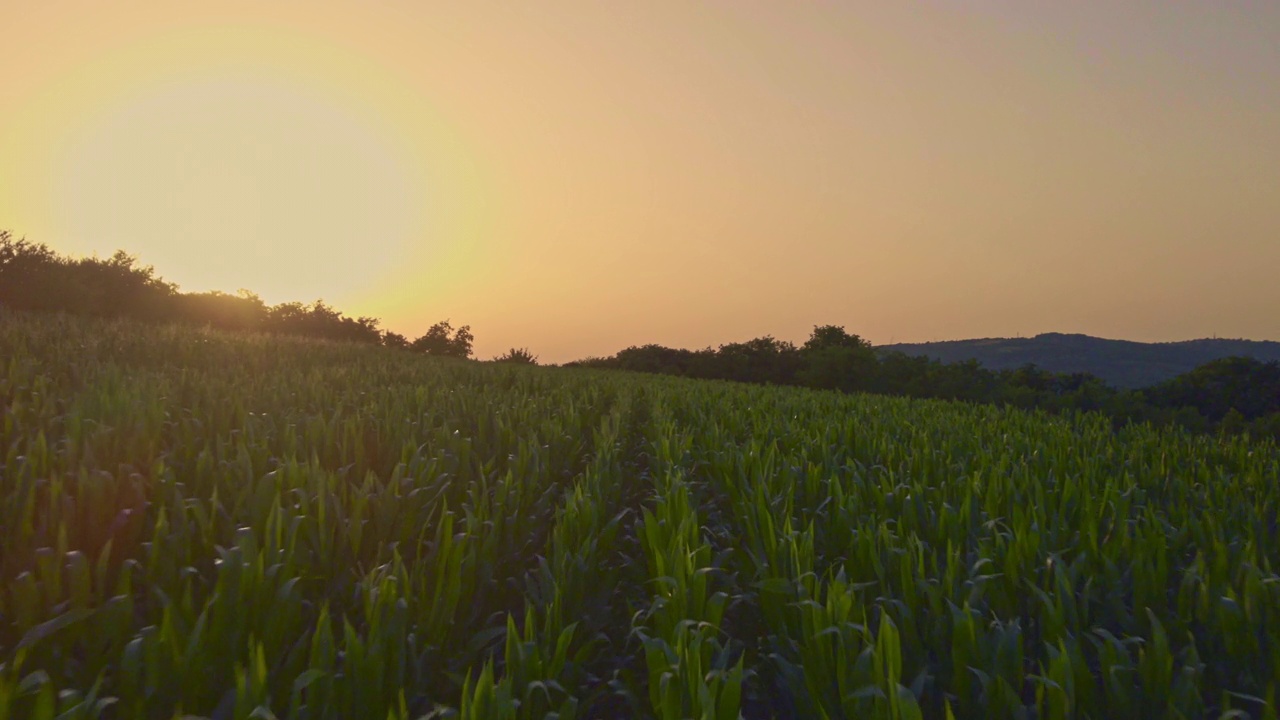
(1241, 388)
(206, 524)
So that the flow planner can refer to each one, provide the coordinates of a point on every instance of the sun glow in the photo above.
(248, 183)
(248, 157)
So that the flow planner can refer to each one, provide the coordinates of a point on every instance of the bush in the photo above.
(518, 356)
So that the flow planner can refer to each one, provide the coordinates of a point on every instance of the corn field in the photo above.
(196, 524)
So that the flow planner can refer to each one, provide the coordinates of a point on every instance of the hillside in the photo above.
(1121, 363)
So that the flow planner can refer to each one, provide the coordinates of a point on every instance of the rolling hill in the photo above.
(1121, 363)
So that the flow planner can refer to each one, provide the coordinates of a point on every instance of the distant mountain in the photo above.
(1121, 363)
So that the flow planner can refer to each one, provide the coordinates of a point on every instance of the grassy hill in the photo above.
(1121, 363)
(201, 524)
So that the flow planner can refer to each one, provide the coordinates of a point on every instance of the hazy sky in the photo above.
(580, 176)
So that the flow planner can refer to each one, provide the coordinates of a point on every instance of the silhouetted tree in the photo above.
(519, 356)
(828, 336)
(394, 340)
(119, 286)
(441, 339)
(321, 321)
(1250, 387)
(834, 359)
(243, 311)
(764, 359)
(1268, 426)
(35, 278)
(653, 359)
(31, 275)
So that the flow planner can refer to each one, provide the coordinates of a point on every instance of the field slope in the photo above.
(201, 524)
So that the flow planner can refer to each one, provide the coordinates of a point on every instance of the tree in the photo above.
(653, 359)
(320, 320)
(35, 278)
(1233, 423)
(1030, 376)
(442, 340)
(243, 311)
(833, 359)
(1248, 386)
(462, 341)
(764, 360)
(827, 336)
(518, 356)
(32, 277)
(394, 340)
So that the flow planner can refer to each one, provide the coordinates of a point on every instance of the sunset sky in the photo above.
(577, 177)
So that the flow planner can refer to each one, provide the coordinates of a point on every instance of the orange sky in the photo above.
(576, 177)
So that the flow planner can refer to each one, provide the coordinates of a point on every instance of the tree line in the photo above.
(1234, 395)
(34, 277)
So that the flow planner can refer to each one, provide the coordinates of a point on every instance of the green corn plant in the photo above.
(531, 684)
(486, 698)
(691, 675)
